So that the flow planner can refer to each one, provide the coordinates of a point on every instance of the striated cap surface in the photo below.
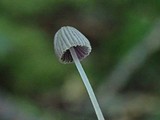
(68, 37)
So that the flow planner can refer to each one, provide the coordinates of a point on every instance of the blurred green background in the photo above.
(123, 68)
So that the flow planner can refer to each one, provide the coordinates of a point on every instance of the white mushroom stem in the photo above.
(87, 84)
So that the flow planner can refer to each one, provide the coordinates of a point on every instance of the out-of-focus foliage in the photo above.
(31, 74)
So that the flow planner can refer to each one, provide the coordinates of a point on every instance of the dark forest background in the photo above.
(123, 67)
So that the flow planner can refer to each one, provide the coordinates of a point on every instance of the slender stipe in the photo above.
(87, 84)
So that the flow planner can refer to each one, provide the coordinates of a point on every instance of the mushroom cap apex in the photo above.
(67, 37)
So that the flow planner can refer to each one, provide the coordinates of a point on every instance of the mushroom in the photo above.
(72, 46)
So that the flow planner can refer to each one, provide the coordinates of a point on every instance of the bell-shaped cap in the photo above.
(68, 37)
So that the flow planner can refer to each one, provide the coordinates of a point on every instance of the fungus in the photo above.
(72, 46)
